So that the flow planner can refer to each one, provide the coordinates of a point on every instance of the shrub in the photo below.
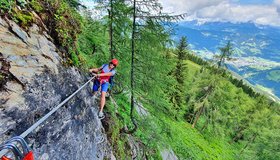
(36, 6)
(24, 18)
(6, 6)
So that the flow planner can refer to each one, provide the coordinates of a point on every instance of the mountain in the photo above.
(170, 107)
(33, 81)
(257, 52)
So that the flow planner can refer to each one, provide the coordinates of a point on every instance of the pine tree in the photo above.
(148, 39)
(182, 48)
(226, 53)
(177, 97)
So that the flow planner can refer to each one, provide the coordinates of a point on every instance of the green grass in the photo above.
(189, 143)
(186, 142)
(118, 140)
(193, 66)
(160, 131)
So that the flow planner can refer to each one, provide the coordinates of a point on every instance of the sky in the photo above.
(260, 12)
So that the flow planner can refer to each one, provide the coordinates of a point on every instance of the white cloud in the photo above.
(277, 2)
(225, 10)
(181, 6)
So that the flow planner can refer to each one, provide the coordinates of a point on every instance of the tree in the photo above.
(182, 48)
(226, 53)
(177, 94)
(75, 3)
(117, 20)
(147, 21)
(202, 103)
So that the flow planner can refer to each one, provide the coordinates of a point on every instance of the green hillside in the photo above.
(193, 107)
(217, 134)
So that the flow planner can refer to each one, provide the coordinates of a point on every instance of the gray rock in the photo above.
(33, 41)
(45, 156)
(6, 124)
(28, 60)
(3, 22)
(20, 33)
(137, 149)
(168, 154)
(12, 45)
(74, 131)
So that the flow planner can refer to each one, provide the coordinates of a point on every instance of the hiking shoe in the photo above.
(101, 115)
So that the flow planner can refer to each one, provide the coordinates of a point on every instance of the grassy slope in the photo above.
(160, 131)
(187, 142)
(198, 146)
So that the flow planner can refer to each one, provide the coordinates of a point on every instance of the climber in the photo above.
(103, 78)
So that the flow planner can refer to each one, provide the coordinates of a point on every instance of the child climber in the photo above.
(102, 79)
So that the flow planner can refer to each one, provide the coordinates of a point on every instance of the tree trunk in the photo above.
(249, 142)
(93, 49)
(220, 62)
(204, 126)
(237, 135)
(132, 55)
(132, 70)
(197, 116)
(111, 29)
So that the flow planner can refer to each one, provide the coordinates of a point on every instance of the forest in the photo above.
(195, 107)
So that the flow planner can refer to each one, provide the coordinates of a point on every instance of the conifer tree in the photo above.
(147, 21)
(226, 53)
(177, 97)
(182, 48)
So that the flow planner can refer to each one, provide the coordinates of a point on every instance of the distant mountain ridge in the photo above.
(257, 49)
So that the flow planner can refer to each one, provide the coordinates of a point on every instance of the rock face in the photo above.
(168, 154)
(39, 84)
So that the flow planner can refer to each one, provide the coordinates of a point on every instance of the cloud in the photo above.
(225, 11)
(277, 4)
(187, 5)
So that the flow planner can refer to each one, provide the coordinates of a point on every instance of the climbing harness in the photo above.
(27, 154)
(106, 78)
(114, 87)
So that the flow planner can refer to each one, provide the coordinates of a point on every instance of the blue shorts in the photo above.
(104, 86)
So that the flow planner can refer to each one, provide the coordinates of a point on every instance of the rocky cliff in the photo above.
(33, 81)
